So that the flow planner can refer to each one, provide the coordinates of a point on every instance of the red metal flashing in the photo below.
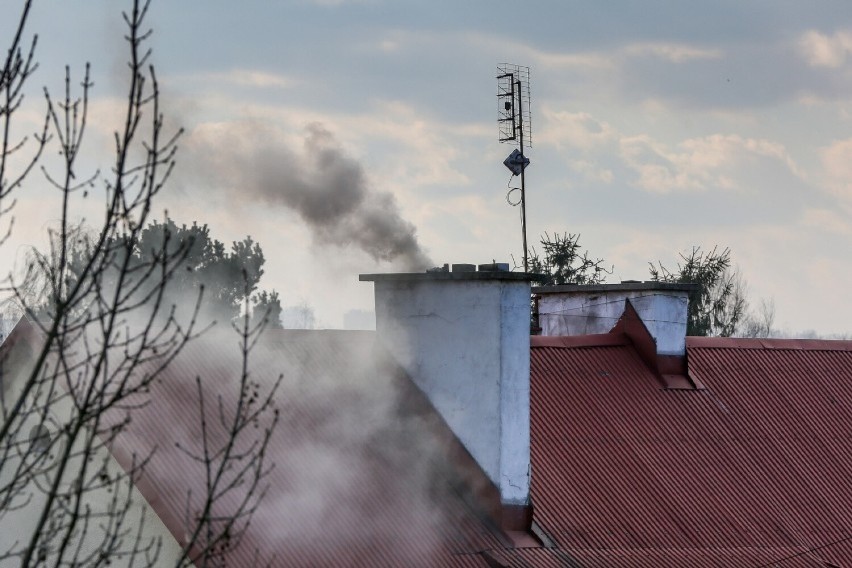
(596, 340)
(671, 370)
(516, 518)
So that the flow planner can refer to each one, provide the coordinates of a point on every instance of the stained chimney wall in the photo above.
(464, 340)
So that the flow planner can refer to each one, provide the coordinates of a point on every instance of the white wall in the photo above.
(583, 310)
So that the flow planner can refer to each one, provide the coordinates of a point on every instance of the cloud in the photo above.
(599, 152)
(697, 163)
(821, 50)
(252, 78)
(610, 59)
(672, 52)
(578, 130)
(426, 150)
(409, 146)
(540, 58)
(836, 160)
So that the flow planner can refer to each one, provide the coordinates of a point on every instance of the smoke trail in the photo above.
(328, 189)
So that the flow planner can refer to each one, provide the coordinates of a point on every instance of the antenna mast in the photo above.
(513, 121)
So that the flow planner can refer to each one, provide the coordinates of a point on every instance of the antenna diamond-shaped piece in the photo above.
(516, 162)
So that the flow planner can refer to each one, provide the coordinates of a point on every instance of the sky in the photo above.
(360, 136)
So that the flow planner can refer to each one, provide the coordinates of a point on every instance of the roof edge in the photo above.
(594, 340)
(768, 344)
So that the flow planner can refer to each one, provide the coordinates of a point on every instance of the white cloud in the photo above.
(716, 161)
(541, 59)
(673, 52)
(659, 168)
(252, 78)
(574, 129)
(415, 149)
(821, 50)
(426, 152)
(837, 166)
(601, 60)
(697, 163)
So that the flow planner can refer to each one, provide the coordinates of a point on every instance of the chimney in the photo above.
(463, 338)
(652, 314)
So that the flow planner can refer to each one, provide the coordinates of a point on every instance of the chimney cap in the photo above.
(464, 268)
(424, 276)
(494, 267)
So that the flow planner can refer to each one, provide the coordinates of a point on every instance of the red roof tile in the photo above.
(755, 468)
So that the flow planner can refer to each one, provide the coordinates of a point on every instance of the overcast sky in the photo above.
(656, 126)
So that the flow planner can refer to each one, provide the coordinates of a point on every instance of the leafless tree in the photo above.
(760, 322)
(102, 333)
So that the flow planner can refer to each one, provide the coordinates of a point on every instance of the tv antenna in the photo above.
(513, 121)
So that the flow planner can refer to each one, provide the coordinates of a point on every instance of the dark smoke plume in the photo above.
(327, 188)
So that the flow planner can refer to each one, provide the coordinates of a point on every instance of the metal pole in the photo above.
(523, 188)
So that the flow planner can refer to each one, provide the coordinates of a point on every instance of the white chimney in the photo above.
(463, 338)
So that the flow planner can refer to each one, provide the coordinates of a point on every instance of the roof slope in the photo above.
(755, 469)
(360, 477)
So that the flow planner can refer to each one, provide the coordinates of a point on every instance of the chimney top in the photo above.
(430, 276)
(490, 271)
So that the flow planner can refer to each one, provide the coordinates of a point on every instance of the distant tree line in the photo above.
(226, 278)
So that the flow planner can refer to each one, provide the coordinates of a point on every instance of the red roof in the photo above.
(365, 473)
(753, 470)
(360, 475)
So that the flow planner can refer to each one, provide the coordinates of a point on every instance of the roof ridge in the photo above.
(768, 343)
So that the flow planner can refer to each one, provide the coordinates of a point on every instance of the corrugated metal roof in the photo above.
(755, 470)
(356, 481)
(752, 470)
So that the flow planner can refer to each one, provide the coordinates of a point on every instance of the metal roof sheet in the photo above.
(356, 481)
(754, 468)
(753, 471)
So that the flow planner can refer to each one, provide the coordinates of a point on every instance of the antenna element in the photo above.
(513, 122)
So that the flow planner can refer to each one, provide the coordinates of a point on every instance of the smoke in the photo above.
(359, 471)
(328, 189)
